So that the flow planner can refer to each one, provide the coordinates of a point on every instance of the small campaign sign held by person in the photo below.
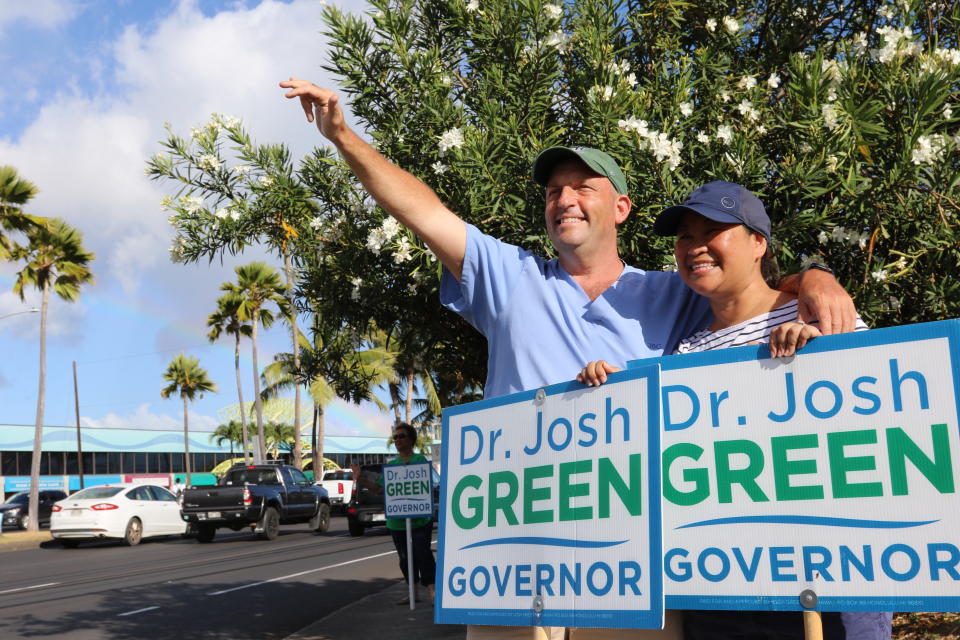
(550, 508)
(408, 490)
(835, 472)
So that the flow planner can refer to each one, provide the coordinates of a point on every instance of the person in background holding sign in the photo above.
(587, 302)
(424, 564)
(723, 253)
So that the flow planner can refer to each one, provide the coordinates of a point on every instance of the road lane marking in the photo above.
(36, 586)
(130, 613)
(301, 573)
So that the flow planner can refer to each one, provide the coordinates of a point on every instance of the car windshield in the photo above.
(338, 475)
(19, 498)
(95, 493)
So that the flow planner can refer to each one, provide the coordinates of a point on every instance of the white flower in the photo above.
(473, 5)
(830, 116)
(356, 283)
(403, 252)
(191, 204)
(438, 167)
(886, 12)
(747, 82)
(632, 124)
(450, 139)
(805, 147)
(222, 213)
(242, 169)
(266, 181)
(431, 256)
(947, 112)
(703, 138)
(832, 164)
(228, 122)
(600, 94)
(209, 162)
(316, 223)
(375, 240)
(553, 11)
(725, 133)
(773, 81)
(559, 40)
(760, 128)
(711, 25)
(823, 237)
(731, 25)
(166, 202)
(929, 149)
(746, 109)
(618, 68)
(897, 43)
(631, 79)
(725, 95)
(686, 109)
(860, 42)
(879, 275)
(863, 239)
(234, 214)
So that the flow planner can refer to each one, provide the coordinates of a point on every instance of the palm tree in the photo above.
(226, 319)
(55, 259)
(258, 284)
(232, 432)
(14, 192)
(278, 433)
(190, 380)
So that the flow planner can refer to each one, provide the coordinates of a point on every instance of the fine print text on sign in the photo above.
(546, 510)
(408, 490)
(835, 471)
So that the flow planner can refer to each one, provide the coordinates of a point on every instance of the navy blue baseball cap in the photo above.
(720, 201)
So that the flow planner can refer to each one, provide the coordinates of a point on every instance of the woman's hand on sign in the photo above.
(790, 336)
(595, 373)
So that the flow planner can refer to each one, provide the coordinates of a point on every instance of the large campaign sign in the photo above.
(835, 471)
(546, 509)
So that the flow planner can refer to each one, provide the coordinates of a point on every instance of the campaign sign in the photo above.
(547, 517)
(408, 490)
(836, 470)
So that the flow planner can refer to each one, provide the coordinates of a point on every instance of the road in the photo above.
(237, 587)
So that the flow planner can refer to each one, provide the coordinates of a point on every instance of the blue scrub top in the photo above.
(541, 327)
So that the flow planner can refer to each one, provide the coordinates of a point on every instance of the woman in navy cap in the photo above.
(723, 253)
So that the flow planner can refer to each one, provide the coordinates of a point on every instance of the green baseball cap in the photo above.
(594, 158)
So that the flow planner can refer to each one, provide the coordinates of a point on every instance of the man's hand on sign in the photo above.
(790, 336)
(595, 373)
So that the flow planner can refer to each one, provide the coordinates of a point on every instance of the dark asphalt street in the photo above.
(237, 587)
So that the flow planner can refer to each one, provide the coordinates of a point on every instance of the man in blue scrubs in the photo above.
(544, 319)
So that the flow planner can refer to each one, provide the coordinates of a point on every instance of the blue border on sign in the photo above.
(428, 514)
(949, 329)
(635, 618)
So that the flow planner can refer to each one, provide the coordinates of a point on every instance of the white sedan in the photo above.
(128, 512)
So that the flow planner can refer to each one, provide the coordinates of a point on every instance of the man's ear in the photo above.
(623, 208)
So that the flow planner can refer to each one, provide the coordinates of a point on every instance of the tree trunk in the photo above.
(395, 401)
(297, 423)
(186, 441)
(409, 398)
(313, 442)
(257, 403)
(321, 418)
(243, 410)
(33, 510)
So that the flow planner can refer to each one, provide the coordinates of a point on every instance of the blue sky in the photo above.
(87, 87)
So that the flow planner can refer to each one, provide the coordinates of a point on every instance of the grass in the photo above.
(926, 626)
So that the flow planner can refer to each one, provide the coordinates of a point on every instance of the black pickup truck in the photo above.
(259, 496)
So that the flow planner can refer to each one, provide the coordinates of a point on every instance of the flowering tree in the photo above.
(838, 115)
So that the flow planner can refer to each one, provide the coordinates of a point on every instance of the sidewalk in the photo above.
(378, 616)
(12, 540)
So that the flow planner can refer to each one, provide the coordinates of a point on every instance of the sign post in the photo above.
(550, 508)
(408, 493)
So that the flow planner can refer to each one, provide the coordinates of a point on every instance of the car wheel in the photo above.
(321, 521)
(205, 533)
(134, 532)
(269, 525)
(68, 544)
(24, 522)
(356, 527)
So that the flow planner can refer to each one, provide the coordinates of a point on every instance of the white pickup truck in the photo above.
(339, 485)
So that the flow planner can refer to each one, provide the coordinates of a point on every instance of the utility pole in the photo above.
(76, 404)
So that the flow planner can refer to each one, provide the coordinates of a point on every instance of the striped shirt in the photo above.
(756, 329)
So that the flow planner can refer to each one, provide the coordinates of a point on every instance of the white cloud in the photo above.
(143, 418)
(63, 318)
(41, 13)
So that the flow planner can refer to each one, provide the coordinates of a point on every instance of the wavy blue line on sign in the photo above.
(814, 520)
(547, 542)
